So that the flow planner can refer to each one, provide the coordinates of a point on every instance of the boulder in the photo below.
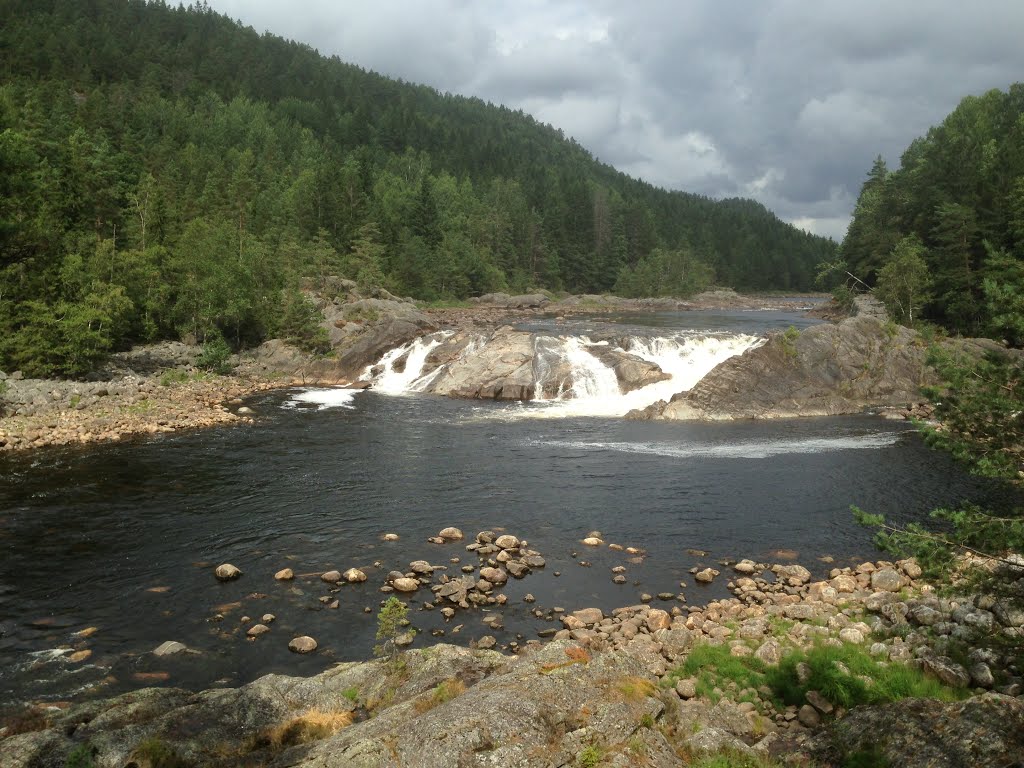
(303, 644)
(886, 580)
(658, 619)
(226, 572)
(354, 576)
(793, 574)
(257, 629)
(169, 648)
(405, 584)
(946, 671)
(331, 577)
(450, 534)
(589, 616)
(285, 574)
(494, 575)
(421, 567)
(517, 569)
(507, 541)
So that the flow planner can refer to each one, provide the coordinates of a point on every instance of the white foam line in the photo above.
(750, 450)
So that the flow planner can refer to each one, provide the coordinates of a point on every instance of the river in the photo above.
(120, 540)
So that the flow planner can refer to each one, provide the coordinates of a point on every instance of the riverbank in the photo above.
(789, 669)
(160, 388)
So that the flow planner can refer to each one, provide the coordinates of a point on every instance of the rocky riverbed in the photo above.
(609, 689)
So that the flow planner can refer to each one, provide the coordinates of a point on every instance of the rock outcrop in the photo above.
(985, 730)
(825, 370)
(544, 708)
(507, 364)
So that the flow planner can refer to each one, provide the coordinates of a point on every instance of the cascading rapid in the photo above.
(568, 375)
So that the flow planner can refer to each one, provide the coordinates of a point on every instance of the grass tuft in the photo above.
(311, 726)
(444, 692)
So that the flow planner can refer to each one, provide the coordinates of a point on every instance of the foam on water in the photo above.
(323, 398)
(754, 449)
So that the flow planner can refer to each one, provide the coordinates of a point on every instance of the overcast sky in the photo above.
(785, 101)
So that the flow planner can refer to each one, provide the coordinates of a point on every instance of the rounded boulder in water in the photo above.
(227, 572)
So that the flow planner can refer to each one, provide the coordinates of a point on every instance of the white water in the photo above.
(753, 449)
(323, 398)
(687, 360)
(410, 378)
(594, 389)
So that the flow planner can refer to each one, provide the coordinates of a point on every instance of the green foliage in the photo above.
(848, 675)
(956, 204)
(869, 757)
(980, 408)
(966, 529)
(155, 753)
(665, 273)
(167, 172)
(732, 759)
(180, 376)
(788, 341)
(1003, 289)
(81, 756)
(590, 756)
(390, 620)
(299, 323)
(904, 281)
(215, 356)
(352, 694)
(838, 673)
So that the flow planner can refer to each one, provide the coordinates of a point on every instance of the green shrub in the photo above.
(590, 756)
(81, 757)
(788, 340)
(216, 356)
(156, 754)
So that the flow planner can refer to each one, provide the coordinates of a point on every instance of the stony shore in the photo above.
(616, 688)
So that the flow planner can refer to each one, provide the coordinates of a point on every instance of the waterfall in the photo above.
(595, 391)
(411, 377)
(569, 378)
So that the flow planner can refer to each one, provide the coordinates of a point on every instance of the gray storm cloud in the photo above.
(787, 102)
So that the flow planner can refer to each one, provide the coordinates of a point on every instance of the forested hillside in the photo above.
(166, 171)
(944, 234)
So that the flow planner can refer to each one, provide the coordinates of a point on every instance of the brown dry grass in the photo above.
(635, 688)
(311, 726)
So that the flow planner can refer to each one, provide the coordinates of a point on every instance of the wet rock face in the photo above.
(826, 370)
(515, 365)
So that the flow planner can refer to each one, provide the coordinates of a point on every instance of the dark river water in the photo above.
(123, 538)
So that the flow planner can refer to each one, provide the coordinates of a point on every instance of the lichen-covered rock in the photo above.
(982, 732)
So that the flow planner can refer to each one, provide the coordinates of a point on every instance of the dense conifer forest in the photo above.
(942, 237)
(168, 172)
